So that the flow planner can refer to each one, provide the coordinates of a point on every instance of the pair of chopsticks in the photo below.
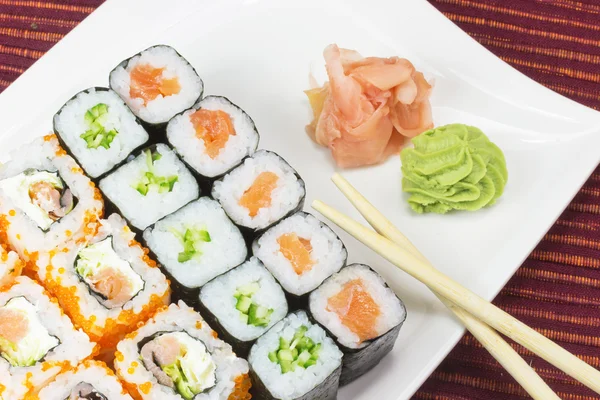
(477, 314)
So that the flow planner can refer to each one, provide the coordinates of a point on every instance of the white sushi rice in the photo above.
(63, 263)
(285, 197)
(226, 249)
(24, 235)
(74, 345)
(180, 318)
(70, 124)
(142, 211)
(300, 381)
(10, 266)
(392, 311)
(328, 252)
(161, 109)
(94, 373)
(217, 296)
(182, 135)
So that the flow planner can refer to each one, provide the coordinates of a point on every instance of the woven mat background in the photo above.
(557, 290)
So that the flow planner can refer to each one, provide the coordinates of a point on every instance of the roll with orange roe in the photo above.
(11, 266)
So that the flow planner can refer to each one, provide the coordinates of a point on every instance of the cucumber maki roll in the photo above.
(260, 192)
(213, 137)
(243, 304)
(156, 84)
(362, 313)
(37, 340)
(177, 355)
(301, 252)
(295, 360)
(92, 380)
(152, 185)
(98, 130)
(196, 244)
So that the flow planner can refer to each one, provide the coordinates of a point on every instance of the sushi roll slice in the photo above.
(45, 199)
(301, 252)
(98, 130)
(157, 84)
(243, 304)
(92, 380)
(295, 360)
(37, 340)
(260, 192)
(213, 137)
(177, 355)
(107, 286)
(362, 313)
(195, 244)
(11, 266)
(152, 185)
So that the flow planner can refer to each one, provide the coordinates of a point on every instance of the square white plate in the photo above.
(259, 54)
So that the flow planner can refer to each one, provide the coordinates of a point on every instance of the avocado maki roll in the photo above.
(177, 355)
(156, 84)
(243, 304)
(92, 380)
(301, 252)
(260, 192)
(362, 313)
(98, 130)
(152, 185)
(295, 360)
(196, 244)
(36, 339)
(46, 199)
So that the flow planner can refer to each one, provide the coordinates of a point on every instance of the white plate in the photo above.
(259, 53)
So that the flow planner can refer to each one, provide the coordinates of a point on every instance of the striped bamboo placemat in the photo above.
(557, 290)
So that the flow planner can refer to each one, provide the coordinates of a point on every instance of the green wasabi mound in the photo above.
(453, 167)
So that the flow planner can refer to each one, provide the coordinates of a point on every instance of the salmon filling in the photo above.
(259, 194)
(214, 127)
(147, 83)
(297, 250)
(356, 309)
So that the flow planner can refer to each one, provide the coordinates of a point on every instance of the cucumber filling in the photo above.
(301, 352)
(192, 240)
(97, 134)
(151, 181)
(251, 313)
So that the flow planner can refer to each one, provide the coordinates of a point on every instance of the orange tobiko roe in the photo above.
(241, 391)
(259, 194)
(214, 127)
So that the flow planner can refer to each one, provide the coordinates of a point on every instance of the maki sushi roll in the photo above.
(295, 360)
(243, 304)
(92, 380)
(177, 355)
(107, 286)
(195, 244)
(362, 313)
(36, 339)
(301, 252)
(152, 185)
(260, 191)
(213, 137)
(157, 84)
(11, 266)
(45, 199)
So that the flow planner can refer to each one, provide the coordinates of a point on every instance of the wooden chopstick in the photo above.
(489, 338)
(464, 298)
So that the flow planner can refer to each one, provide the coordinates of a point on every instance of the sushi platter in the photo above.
(157, 239)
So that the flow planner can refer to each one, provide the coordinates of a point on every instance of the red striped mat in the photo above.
(557, 290)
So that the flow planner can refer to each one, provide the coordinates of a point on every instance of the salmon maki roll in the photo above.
(91, 380)
(177, 355)
(362, 313)
(37, 340)
(259, 192)
(11, 266)
(107, 286)
(301, 252)
(46, 200)
(156, 84)
(213, 137)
